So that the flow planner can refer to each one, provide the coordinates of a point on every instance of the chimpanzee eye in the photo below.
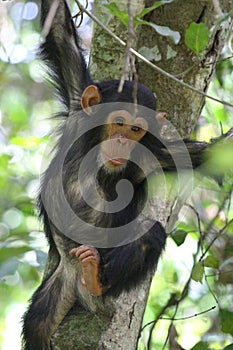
(119, 121)
(136, 128)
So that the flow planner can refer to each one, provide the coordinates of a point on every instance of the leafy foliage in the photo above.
(138, 19)
(226, 317)
(24, 105)
(196, 37)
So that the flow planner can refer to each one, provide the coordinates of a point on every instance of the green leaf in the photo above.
(115, 11)
(229, 248)
(226, 318)
(123, 17)
(151, 8)
(221, 114)
(8, 253)
(30, 142)
(152, 54)
(179, 237)
(229, 347)
(220, 158)
(211, 261)
(196, 37)
(14, 102)
(198, 272)
(200, 346)
(162, 30)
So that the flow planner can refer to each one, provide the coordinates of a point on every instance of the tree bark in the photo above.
(183, 106)
(117, 323)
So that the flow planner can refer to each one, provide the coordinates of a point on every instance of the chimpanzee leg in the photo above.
(123, 267)
(112, 270)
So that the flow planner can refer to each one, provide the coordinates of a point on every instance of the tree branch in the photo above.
(142, 58)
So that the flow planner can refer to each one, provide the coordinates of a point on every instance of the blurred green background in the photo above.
(26, 103)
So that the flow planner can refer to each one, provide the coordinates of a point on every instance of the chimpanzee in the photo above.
(103, 245)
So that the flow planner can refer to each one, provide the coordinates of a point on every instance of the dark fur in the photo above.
(122, 267)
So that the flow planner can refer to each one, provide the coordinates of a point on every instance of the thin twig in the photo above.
(79, 14)
(142, 58)
(171, 302)
(183, 295)
(215, 238)
(201, 240)
(210, 289)
(49, 19)
(211, 224)
(129, 64)
(187, 317)
(170, 327)
(219, 61)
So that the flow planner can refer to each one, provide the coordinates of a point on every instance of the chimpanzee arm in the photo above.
(184, 154)
(62, 53)
(123, 267)
(200, 152)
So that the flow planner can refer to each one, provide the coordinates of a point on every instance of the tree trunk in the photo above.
(117, 323)
(183, 106)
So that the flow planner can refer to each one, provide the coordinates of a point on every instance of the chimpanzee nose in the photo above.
(122, 140)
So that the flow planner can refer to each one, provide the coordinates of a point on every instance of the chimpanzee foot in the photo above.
(89, 258)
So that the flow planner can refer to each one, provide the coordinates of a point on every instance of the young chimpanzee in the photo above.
(94, 220)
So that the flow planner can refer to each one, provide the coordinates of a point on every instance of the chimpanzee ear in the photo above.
(90, 97)
(161, 119)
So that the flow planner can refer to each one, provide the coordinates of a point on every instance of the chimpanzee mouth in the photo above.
(113, 161)
(118, 161)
